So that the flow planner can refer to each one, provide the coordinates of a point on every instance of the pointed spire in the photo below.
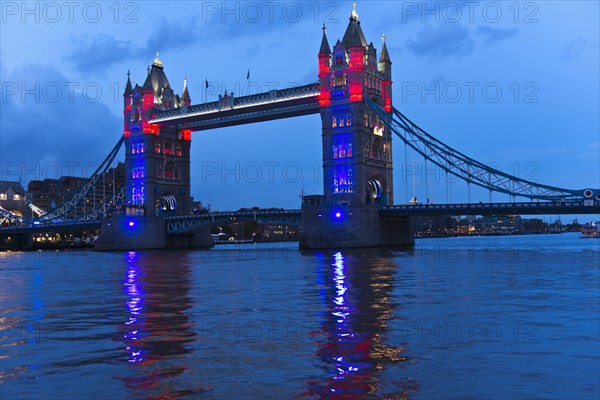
(185, 94)
(128, 88)
(354, 36)
(325, 49)
(385, 56)
(148, 82)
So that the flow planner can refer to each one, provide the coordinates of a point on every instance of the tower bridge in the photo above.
(353, 96)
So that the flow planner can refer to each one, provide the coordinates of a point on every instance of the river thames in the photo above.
(456, 318)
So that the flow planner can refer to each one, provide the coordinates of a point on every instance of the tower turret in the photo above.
(185, 95)
(128, 94)
(384, 66)
(324, 70)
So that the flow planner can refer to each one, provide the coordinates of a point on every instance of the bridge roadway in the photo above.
(229, 111)
(181, 224)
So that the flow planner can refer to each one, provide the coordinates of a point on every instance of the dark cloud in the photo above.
(492, 35)
(52, 125)
(94, 54)
(169, 35)
(441, 40)
(97, 53)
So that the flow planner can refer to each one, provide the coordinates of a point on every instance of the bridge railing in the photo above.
(541, 204)
(272, 96)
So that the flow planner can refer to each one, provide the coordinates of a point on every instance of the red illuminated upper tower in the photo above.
(357, 147)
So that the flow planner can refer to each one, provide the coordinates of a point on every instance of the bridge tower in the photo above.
(157, 167)
(357, 149)
(157, 159)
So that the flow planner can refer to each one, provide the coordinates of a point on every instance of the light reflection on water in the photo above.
(355, 350)
(272, 322)
(158, 333)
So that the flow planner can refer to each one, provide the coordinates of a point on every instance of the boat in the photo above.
(591, 230)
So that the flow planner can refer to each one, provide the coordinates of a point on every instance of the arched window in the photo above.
(169, 170)
(349, 149)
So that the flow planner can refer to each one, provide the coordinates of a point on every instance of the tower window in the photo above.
(168, 149)
(334, 122)
(335, 152)
(349, 151)
(157, 146)
(349, 120)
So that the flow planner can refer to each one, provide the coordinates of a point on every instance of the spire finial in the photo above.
(324, 28)
(354, 14)
(148, 70)
(383, 38)
(128, 74)
(157, 61)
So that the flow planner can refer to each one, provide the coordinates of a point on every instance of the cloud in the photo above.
(442, 40)
(48, 127)
(94, 54)
(171, 36)
(492, 35)
(574, 48)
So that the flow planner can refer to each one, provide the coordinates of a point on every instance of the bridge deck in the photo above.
(524, 208)
(184, 223)
(275, 104)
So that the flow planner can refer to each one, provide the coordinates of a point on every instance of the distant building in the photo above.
(276, 231)
(14, 198)
(51, 193)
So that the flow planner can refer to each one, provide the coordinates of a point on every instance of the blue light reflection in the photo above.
(133, 290)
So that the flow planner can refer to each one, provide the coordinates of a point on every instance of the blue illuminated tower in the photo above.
(157, 159)
(357, 147)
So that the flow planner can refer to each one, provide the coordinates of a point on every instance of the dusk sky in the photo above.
(514, 84)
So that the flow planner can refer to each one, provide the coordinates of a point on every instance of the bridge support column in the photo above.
(199, 238)
(132, 233)
(353, 226)
(396, 231)
(349, 226)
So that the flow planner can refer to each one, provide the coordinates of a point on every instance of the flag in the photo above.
(206, 83)
(248, 74)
